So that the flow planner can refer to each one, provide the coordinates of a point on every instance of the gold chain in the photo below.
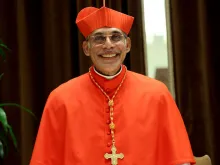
(110, 104)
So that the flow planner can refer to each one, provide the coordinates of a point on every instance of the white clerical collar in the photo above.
(108, 77)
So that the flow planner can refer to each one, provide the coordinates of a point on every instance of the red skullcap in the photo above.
(91, 18)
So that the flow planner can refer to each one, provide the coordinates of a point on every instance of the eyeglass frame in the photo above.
(109, 36)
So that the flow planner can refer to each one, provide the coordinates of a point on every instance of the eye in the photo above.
(116, 37)
(99, 38)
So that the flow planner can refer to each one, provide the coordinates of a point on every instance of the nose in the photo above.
(108, 43)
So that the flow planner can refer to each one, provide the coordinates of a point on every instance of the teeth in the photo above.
(108, 55)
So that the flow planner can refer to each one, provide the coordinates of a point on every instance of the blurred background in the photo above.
(174, 41)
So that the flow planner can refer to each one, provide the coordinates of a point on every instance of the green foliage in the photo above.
(4, 134)
(3, 48)
(6, 131)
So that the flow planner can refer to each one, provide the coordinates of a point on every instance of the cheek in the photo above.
(94, 55)
(121, 46)
(122, 49)
(94, 51)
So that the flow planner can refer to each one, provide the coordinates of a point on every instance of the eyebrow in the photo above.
(98, 33)
(116, 31)
(101, 33)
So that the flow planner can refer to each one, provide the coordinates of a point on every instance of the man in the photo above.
(110, 115)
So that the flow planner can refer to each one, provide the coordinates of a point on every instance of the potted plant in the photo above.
(6, 132)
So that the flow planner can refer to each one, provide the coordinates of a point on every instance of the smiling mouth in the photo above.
(109, 55)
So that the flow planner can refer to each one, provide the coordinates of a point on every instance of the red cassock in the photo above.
(74, 128)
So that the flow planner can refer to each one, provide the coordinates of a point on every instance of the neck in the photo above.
(107, 76)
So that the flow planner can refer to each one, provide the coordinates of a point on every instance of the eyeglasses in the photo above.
(101, 39)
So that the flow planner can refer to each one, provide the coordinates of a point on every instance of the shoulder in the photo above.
(70, 88)
(146, 83)
(156, 90)
(66, 95)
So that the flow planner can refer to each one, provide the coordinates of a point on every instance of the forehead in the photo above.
(106, 30)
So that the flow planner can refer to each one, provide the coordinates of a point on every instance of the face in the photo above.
(107, 48)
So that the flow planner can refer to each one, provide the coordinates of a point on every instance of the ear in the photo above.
(128, 44)
(85, 46)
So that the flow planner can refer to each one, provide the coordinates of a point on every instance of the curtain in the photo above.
(195, 38)
(46, 50)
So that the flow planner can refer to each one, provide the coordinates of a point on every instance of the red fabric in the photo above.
(90, 19)
(74, 127)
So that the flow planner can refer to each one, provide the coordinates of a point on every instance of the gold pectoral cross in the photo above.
(114, 156)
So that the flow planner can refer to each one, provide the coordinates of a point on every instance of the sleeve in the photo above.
(175, 147)
(49, 144)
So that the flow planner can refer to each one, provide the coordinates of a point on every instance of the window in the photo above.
(157, 39)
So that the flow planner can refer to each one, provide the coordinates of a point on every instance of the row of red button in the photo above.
(108, 132)
(108, 122)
